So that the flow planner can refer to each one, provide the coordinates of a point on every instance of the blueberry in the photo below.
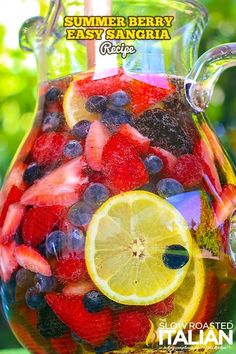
(109, 345)
(94, 301)
(42, 248)
(81, 129)
(119, 98)
(75, 240)
(168, 186)
(96, 104)
(32, 173)
(175, 256)
(24, 278)
(73, 149)
(114, 118)
(34, 299)
(55, 242)
(53, 94)
(149, 187)
(45, 284)
(49, 325)
(52, 121)
(153, 164)
(80, 214)
(96, 194)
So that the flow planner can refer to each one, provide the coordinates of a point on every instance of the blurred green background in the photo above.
(18, 85)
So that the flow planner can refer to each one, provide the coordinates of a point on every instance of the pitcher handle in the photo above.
(201, 80)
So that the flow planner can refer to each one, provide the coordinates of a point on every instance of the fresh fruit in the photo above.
(175, 256)
(38, 222)
(132, 327)
(113, 118)
(62, 187)
(81, 129)
(14, 196)
(64, 345)
(188, 171)
(168, 159)
(75, 241)
(95, 328)
(188, 296)
(119, 98)
(73, 149)
(80, 214)
(8, 263)
(153, 164)
(32, 173)
(140, 142)
(55, 243)
(53, 94)
(211, 178)
(52, 121)
(70, 269)
(122, 166)
(30, 259)
(48, 148)
(49, 325)
(168, 187)
(74, 107)
(164, 131)
(209, 301)
(12, 221)
(96, 104)
(96, 194)
(124, 248)
(24, 278)
(34, 299)
(94, 301)
(45, 284)
(224, 205)
(80, 288)
(163, 308)
(97, 138)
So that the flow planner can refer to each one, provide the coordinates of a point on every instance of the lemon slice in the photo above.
(74, 107)
(125, 243)
(188, 295)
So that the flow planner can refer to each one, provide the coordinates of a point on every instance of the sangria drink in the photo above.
(115, 220)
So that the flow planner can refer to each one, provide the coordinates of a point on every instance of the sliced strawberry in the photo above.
(32, 260)
(92, 327)
(169, 160)
(12, 222)
(8, 263)
(48, 148)
(63, 186)
(13, 196)
(38, 223)
(188, 171)
(104, 86)
(208, 303)
(225, 205)
(122, 165)
(204, 152)
(79, 288)
(71, 269)
(140, 142)
(145, 95)
(97, 138)
(162, 308)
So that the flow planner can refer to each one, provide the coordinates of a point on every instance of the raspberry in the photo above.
(162, 308)
(122, 165)
(48, 148)
(132, 327)
(70, 269)
(188, 170)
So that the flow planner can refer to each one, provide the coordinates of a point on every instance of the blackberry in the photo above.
(164, 131)
(49, 325)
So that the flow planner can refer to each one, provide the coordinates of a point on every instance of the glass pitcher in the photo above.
(118, 231)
